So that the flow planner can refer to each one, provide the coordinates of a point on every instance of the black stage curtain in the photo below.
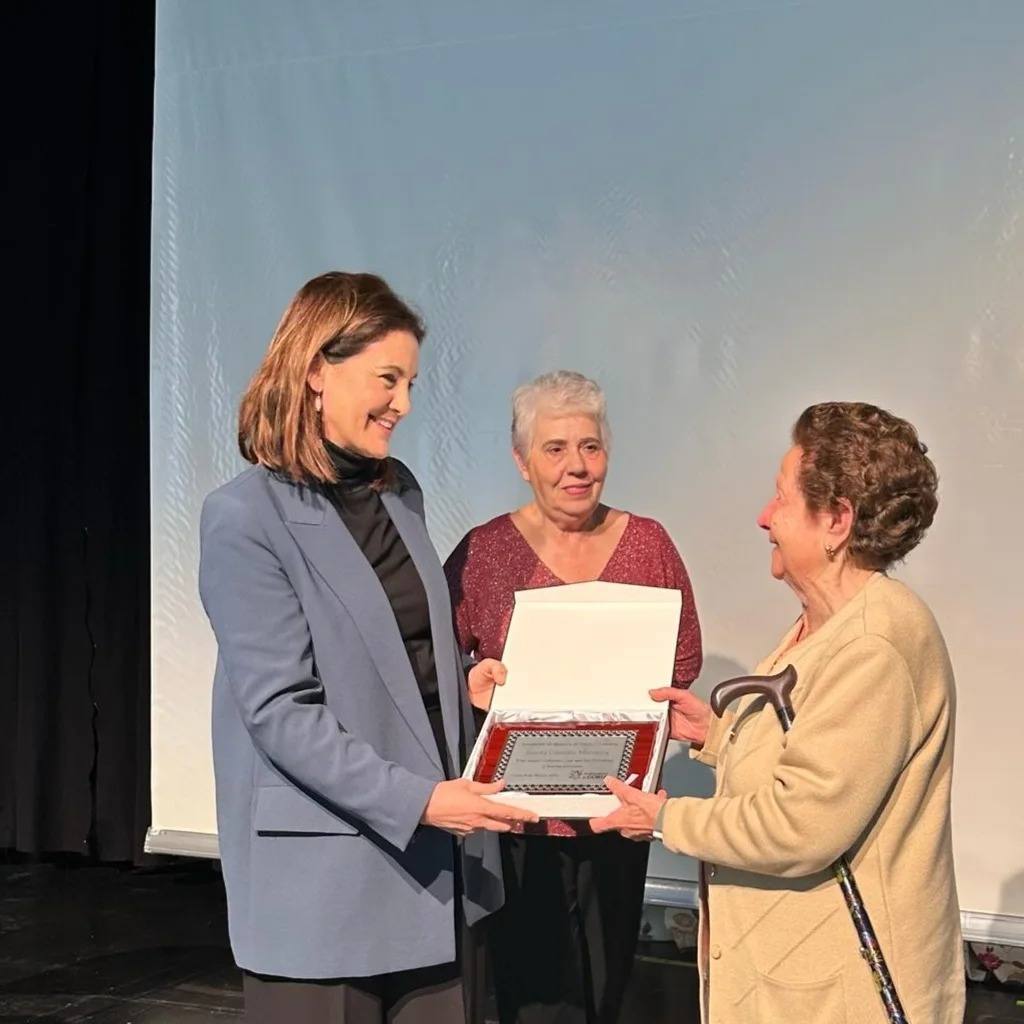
(74, 551)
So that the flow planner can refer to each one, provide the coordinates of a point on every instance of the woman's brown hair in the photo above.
(334, 316)
(877, 463)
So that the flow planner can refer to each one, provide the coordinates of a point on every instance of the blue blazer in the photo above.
(323, 755)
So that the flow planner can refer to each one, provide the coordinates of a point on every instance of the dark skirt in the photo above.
(562, 947)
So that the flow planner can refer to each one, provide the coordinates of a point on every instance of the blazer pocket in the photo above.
(284, 810)
(812, 1002)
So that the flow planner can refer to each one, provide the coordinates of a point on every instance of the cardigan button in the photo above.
(716, 952)
(712, 870)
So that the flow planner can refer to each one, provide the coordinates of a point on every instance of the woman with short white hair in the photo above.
(564, 941)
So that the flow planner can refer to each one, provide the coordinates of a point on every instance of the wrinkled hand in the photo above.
(483, 677)
(688, 717)
(636, 814)
(461, 806)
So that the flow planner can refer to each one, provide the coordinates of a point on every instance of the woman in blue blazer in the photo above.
(353, 854)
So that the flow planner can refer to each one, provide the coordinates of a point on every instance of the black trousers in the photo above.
(562, 947)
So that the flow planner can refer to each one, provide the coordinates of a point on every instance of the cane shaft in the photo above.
(869, 947)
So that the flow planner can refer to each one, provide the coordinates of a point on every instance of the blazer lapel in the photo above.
(413, 532)
(330, 549)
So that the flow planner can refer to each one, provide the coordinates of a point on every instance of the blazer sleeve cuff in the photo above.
(416, 795)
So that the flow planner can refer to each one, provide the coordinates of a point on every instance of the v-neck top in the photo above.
(495, 560)
(558, 581)
(358, 503)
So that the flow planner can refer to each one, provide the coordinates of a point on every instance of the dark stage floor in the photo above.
(110, 946)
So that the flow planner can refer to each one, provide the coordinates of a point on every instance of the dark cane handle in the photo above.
(776, 688)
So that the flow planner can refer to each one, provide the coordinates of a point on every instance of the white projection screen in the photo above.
(723, 211)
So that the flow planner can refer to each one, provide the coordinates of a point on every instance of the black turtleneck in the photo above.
(364, 514)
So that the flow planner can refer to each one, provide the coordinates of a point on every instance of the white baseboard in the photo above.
(977, 926)
(997, 929)
(182, 844)
(670, 892)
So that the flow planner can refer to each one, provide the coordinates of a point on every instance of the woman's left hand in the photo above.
(636, 814)
(483, 677)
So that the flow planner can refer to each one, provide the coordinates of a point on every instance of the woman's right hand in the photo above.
(689, 716)
(461, 806)
(482, 679)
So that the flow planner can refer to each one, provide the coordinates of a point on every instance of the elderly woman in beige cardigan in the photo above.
(866, 768)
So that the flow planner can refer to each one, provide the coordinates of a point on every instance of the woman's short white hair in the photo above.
(562, 393)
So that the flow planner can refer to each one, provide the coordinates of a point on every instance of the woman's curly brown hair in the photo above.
(876, 462)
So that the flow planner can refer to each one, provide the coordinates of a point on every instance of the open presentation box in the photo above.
(575, 707)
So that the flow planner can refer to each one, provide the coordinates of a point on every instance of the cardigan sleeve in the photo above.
(718, 729)
(851, 738)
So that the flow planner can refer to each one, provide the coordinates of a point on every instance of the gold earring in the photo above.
(318, 403)
(830, 552)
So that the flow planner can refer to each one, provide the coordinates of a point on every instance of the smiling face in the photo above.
(566, 465)
(798, 535)
(365, 395)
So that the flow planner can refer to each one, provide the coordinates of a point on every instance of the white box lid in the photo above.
(589, 646)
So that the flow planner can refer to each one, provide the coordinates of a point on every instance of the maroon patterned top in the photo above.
(495, 560)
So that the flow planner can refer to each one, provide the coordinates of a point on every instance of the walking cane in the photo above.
(777, 689)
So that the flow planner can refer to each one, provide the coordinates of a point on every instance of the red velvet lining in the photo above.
(500, 732)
